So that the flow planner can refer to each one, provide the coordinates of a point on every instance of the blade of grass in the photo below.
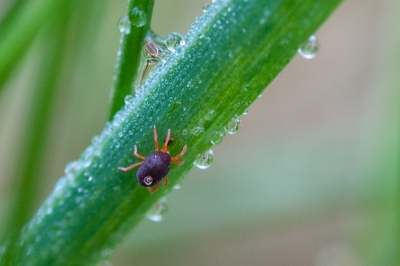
(233, 51)
(19, 30)
(139, 14)
(28, 170)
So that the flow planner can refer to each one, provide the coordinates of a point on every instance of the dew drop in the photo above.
(198, 130)
(128, 98)
(61, 183)
(216, 138)
(203, 161)
(210, 115)
(138, 17)
(157, 211)
(71, 168)
(246, 112)
(173, 40)
(205, 7)
(178, 185)
(164, 54)
(309, 48)
(124, 25)
(233, 125)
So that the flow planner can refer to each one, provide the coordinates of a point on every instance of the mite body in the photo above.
(155, 167)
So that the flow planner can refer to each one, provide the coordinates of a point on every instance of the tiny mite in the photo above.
(155, 167)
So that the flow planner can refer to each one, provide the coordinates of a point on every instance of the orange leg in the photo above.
(179, 155)
(164, 149)
(129, 167)
(177, 163)
(155, 138)
(165, 181)
(138, 155)
(152, 190)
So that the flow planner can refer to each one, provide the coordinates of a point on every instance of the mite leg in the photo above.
(155, 138)
(152, 190)
(138, 155)
(129, 167)
(166, 141)
(179, 155)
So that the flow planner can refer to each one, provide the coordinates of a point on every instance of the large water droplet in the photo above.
(309, 48)
(124, 25)
(157, 211)
(138, 17)
(233, 125)
(203, 161)
(173, 40)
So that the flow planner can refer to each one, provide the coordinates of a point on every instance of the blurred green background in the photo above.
(311, 178)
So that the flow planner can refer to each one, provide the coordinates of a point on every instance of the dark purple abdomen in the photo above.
(155, 166)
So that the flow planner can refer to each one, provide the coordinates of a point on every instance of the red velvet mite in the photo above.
(155, 167)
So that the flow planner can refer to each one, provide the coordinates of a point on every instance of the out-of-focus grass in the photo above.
(319, 156)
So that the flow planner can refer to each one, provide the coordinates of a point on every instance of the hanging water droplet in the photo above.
(157, 211)
(233, 125)
(178, 185)
(216, 138)
(203, 161)
(173, 40)
(205, 7)
(246, 112)
(309, 48)
(138, 17)
(124, 25)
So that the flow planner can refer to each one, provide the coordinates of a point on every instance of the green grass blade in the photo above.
(232, 53)
(139, 13)
(20, 31)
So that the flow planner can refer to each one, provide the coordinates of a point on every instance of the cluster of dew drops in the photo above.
(307, 50)
(157, 52)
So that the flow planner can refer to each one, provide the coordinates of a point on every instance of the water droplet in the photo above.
(60, 184)
(309, 48)
(164, 54)
(216, 138)
(246, 112)
(198, 130)
(178, 185)
(157, 211)
(184, 132)
(124, 25)
(128, 99)
(90, 178)
(138, 17)
(71, 168)
(233, 125)
(210, 115)
(173, 40)
(205, 7)
(203, 161)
